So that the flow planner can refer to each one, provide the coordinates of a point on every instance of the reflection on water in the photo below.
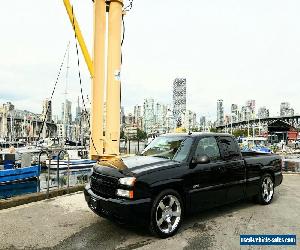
(15, 189)
(75, 178)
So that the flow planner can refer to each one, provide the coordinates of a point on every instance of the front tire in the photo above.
(166, 214)
(266, 192)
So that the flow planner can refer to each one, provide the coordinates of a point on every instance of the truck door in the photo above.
(205, 179)
(234, 168)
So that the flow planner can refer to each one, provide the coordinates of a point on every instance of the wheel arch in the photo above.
(173, 184)
(269, 171)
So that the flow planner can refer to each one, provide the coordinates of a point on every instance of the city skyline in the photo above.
(284, 109)
(152, 117)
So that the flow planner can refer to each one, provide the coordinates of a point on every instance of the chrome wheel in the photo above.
(168, 214)
(267, 189)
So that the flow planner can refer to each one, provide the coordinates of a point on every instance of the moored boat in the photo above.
(73, 164)
(15, 171)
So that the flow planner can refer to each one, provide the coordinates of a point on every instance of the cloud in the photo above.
(233, 50)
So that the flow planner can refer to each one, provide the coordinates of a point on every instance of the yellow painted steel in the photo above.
(113, 102)
(97, 71)
(80, 38)
(180, 130)
(96, 143)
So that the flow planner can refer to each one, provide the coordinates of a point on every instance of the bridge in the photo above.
(293, 121)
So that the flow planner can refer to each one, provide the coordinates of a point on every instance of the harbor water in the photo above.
(75, 178)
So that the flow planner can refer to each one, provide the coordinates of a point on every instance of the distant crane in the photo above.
(103, 146)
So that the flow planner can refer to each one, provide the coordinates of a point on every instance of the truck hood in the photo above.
(135, 164)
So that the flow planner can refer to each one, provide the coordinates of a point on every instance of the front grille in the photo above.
(104, 185)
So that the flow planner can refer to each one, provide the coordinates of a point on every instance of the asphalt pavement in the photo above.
(67, 223)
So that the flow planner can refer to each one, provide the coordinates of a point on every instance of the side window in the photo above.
(208, 146)
(229, 148)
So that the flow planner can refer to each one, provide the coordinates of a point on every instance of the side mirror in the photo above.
(203, 159)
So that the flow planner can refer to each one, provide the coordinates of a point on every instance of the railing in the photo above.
(50, 171)
(48, 177)
(68, 171)
(57, 171)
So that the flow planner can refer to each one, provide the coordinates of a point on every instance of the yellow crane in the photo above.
(103, 146)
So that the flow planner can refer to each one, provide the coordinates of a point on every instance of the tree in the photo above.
(240, 132)
(141, 135)
(213, 130)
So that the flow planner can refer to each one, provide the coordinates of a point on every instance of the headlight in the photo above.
(125, 193)
(127, 181)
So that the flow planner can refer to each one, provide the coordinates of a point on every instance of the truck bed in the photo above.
(249, 154)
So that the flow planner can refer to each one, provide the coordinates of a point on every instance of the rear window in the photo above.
(229, 148)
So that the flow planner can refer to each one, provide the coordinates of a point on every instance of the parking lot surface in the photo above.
(67, 223)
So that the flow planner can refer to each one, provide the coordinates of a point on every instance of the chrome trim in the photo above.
(217, 186)
(254, 178)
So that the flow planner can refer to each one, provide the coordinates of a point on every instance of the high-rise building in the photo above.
(148, 115)
(137, 113)
(160, 114)
(250, 104)
(202, 123)
(170, 122)
(78, 111)
(138, 118)
(244, 114)
(263, 112)
(47, 110)
(286, 110)
(189, 119)
(234, 112)
(66, 112)
(179, 99)
(220, 113)
(129, 119)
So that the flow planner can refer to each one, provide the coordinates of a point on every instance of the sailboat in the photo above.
(76, 154)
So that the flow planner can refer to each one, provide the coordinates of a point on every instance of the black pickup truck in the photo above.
(177, 174)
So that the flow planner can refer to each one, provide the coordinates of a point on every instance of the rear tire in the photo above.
(166, 214)
(266, 190)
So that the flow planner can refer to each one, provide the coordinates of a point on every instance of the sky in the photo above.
(233, 50)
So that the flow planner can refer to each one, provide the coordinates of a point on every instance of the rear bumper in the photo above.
(278, 178)
(119, 210)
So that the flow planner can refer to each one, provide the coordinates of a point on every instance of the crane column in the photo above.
(113, 95)
(98, 82)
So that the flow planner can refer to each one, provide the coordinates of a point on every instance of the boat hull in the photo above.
(19, 174)
(73, 165)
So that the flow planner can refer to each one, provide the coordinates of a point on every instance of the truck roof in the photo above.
(196, 134)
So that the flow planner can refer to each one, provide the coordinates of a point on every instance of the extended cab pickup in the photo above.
(177, 174)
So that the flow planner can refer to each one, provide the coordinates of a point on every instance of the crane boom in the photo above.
(79, 36)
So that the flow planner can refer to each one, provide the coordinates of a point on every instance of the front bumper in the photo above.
(119, 210)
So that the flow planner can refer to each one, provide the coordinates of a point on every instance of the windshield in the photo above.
(170, 147)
